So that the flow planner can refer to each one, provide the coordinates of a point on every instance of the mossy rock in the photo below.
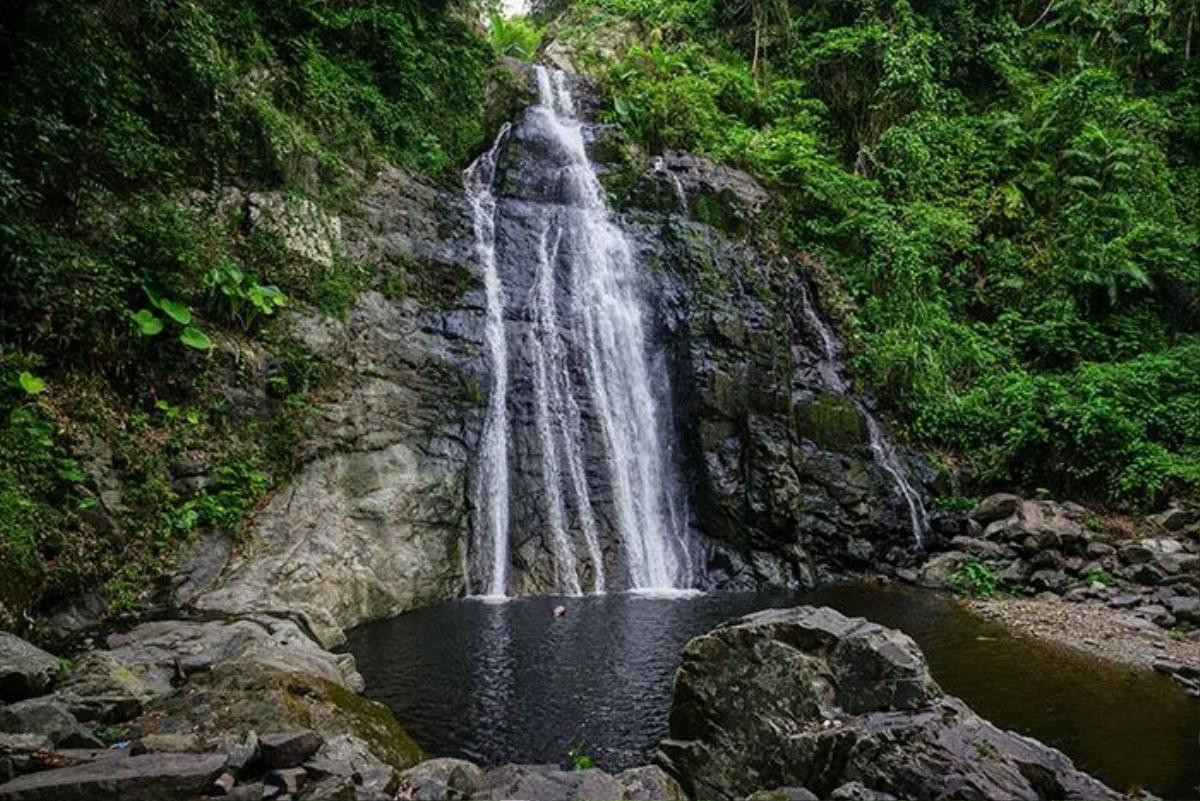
(435, 285)
(832, 422)
(723, 210)
(229, 703)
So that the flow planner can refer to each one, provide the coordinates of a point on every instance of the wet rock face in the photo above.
(776, 455)
(809, 698)
(374, 524)
(774, 461)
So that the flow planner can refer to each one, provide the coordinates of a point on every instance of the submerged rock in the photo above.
(807, 697)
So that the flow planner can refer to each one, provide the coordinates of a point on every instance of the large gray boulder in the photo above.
(441, 780)
(150, 777)
(809, 698)
(25, 669)
(650, 783)
(548, 783)
(49, 718)
(147, 663)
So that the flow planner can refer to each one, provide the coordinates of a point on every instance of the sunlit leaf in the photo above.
(195, 338)
(31, 383)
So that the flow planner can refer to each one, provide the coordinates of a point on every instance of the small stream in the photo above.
(509, 682)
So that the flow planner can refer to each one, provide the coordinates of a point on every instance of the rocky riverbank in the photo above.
(1127, 593)
(1100, 631)
(796, 704)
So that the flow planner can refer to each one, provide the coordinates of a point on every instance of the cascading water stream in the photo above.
(594, 398)
(885, 455)
(491, 486)
(660, 167)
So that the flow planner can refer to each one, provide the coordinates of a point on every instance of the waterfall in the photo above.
(491, 485)
(568, 284)
(660, 167)
(830, 368)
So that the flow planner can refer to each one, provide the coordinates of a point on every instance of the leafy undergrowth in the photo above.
(148, 390)
(1007, 194)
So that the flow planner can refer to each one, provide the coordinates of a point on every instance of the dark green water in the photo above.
(508, 682)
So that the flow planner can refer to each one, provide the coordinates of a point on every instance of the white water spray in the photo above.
(588, 348)
(491, 485)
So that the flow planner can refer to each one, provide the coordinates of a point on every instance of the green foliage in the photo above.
(122, 129)
(112, 734)
(148, 324)
(578, 759)
(1102, 577)
(1009, 196)
(195, 339)
(336, 286)
(30, 383)
(955, 504)
(514, 37)
(974, 578)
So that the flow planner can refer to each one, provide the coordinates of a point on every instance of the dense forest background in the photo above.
(1008, 192)
(1006, 195)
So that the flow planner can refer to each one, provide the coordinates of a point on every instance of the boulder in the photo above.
(1184, 607)
(288, 780)
(1135, 553)
(1054, 581)
(855, 791)
(25, 669)
(984, 549)
(346, 755)
(936, 573)
(255, 791)
(783, 794)
(226, 705)
(331, 788)
(1157, 614)
(49, 718)
(288, 749)
(548, 783)
(1145, 573)
(150, 777)
(810, 698)
(996, 507)
(22, 753)
(149, 662)
(1176, 518)
(649, 783)
(441, 780)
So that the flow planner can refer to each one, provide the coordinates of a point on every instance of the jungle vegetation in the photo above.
(1005, 194)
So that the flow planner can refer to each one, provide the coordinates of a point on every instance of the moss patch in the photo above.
(831, 421)
(253, 699)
